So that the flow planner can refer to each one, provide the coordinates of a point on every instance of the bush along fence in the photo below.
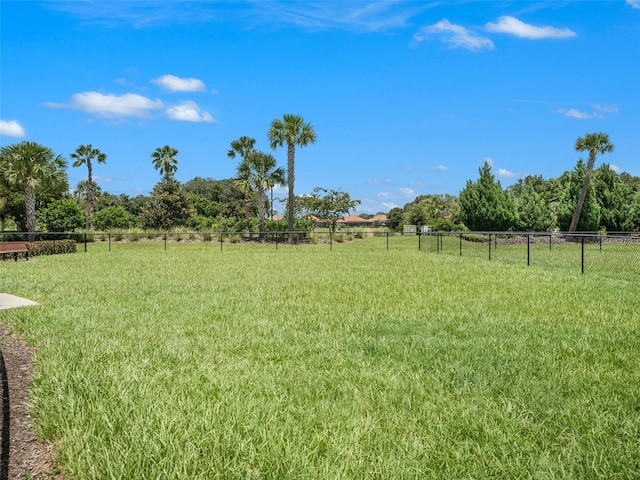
(614, 255)
(40, 247)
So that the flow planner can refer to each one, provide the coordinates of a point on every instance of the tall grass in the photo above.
(250, 362)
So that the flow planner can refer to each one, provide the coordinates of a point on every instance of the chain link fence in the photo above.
(611, 255)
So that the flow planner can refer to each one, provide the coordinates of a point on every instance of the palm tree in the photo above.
(164, 161)
(259, 173)
(594, 143)
(29, 165)
(243, 146)
(292, 131)
(83, 155)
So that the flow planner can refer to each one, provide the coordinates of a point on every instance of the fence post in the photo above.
(165, 241)
(582, 253)
(276, 240)
(109, 237)
(85, 242)
(489, 247)
(330, 240)
(528, 251)
(220, 241)
(387, 241)
(460, 244)
(419, 241)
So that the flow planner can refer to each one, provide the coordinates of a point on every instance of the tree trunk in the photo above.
(290, 178)
(89, 214)
(30, 207)
(262, 201)
(583, 193)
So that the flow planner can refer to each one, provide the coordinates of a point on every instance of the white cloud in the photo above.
(379, 181)
(607, 108)
(389, 205)
(598, 112)
(188, 111)
(489, 160)
(109, 106)
(177, 84)
(633, 3)
(323, 15)
(439, 168)
(615, 168)
(456, 36)
(139, 14)
(11, 128)
(407, 192)
(574, 113)
(504, 173)
(513, 26)
(385, 195)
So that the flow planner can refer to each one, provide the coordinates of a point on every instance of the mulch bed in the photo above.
(23, 455)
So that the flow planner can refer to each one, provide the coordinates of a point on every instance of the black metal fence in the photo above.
(612, 255)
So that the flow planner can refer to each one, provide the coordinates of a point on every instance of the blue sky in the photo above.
(406, 97)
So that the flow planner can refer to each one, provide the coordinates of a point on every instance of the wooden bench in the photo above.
(14, 248)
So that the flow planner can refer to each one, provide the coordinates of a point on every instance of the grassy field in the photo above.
(304, 363)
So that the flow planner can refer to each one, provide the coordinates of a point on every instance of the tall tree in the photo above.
(484, 205)
(590, 216)
(534, 211)
(258, 172)
(594, 143)
(31, 166)
(291, 131)
(614, 198)
(168, 206)
(83, 155)
(328, 205)
(163, 159)
(242, 147)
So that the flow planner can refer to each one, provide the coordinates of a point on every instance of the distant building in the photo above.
(355, 221)
(381, 219)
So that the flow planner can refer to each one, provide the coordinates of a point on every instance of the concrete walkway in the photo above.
(11, 301)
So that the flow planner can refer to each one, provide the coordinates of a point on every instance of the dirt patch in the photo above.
(23, 456)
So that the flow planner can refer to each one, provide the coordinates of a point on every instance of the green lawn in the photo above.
(253, 362)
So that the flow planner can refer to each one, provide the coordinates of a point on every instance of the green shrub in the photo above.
(51, 247)
(475, 237)
(114, 216)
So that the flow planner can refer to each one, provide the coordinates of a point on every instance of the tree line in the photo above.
(34, 191)
(582, 199)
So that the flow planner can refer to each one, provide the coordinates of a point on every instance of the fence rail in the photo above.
(612, 255)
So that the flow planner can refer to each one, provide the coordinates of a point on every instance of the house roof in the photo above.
(381, 217)
(354, 219)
